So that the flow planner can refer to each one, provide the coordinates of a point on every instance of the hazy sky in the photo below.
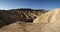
(35, 4)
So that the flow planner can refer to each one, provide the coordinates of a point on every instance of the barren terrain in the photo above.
(19, 20)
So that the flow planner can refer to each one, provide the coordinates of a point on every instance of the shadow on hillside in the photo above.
(26, 15)
(5, 23)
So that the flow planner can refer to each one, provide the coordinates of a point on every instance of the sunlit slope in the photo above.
(51, 21)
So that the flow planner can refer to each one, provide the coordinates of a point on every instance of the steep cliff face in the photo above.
(26, 15)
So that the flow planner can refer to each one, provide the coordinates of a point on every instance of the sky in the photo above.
(33, 4)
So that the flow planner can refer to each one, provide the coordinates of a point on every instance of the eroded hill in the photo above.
(26, 15)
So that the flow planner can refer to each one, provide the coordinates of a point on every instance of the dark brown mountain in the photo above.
(26, 15)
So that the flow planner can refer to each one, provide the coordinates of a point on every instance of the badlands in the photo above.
(47, 22)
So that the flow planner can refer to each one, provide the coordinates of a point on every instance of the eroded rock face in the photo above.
(20, 14)
(10, 16)
(50, 20)
(19, 20)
